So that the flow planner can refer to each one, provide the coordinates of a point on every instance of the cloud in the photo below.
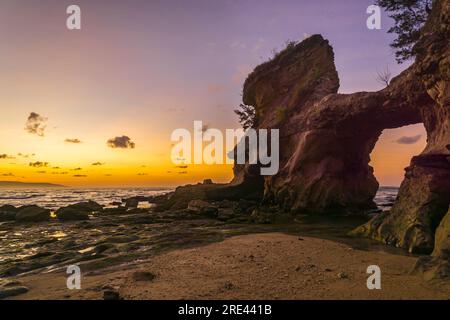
(122, 142)
(408, 140)
(142, 174)
(5, 156)
(9, 174)
(80, 176)
(182, 172)
(98, 164)
(41, 172)
(77, 169)
(23, 155)
(182, 167)
(38, 164)
(76, 141)
(36, 124)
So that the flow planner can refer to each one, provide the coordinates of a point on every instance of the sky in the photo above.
(141, 69)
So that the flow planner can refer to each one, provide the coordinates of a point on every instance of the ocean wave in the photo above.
(22, 197)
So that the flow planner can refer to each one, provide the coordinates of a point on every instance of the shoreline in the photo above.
(254, 266)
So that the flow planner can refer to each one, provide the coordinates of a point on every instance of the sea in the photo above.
(56, 198)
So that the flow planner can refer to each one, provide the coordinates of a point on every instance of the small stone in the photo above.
(342, 275)
(6, 292)
(111, 295)
(228, 286)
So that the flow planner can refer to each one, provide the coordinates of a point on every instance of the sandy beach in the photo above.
(257, 266)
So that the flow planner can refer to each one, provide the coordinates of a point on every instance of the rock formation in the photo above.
(424, 195)
(326, 138)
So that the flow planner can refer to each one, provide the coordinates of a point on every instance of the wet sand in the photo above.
(256, 266)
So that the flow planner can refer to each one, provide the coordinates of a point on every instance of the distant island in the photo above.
(17, 184)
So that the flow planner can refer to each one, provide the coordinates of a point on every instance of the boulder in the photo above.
(111, 295)
(32, 214)
(88, 206)
(71, 214)
(203, 208)
(8, 208)
(225, 214)
(78, 211)
(437, 266)
(262, 216)
(424, 195)
(131, 203)
(8, 213)
(11, 291)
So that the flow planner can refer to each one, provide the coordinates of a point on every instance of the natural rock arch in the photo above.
(326, 138)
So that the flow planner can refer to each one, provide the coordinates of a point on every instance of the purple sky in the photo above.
(144, 68)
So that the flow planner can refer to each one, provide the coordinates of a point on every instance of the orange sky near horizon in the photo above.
(145, 68)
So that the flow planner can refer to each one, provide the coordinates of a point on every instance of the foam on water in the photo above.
(56, 198)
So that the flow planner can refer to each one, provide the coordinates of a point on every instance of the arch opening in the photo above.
(391, 155)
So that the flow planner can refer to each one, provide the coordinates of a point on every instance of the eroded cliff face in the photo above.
(326, 138)
(424, 195)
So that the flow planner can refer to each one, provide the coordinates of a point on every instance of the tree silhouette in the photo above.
(247, 116)
(409, 17)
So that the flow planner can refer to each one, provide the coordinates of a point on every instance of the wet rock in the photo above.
(88, 206)
(32, 214)
(8, 208)
(121, 239)
(225, 214)
(131, 203)
(7, 216)
(437, 266)
(104, 248)
(424, 195)
(180, 198)
(262, 216)
(11, 291)
(114, 211)
(111, 295)
(40, 243)
(71, 214)
(137, 211)
(203, 208)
